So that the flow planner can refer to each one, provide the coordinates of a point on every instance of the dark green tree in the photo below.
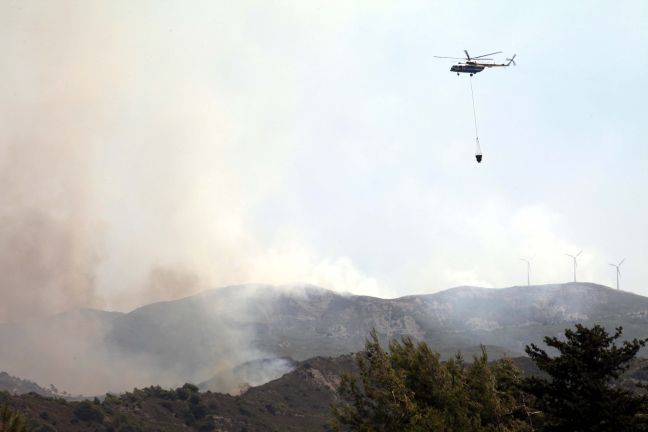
(579, 394)
(384, 403)
(11, 421)
(88, 411)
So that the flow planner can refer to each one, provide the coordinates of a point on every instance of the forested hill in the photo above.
(298, 401)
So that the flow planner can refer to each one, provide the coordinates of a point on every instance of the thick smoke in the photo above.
(131, 167)
(209, 339)
(131, 164)
(50, 109)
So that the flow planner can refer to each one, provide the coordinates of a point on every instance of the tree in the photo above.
(409, 389)
(11, 421)
(579, 395)
(384, 403)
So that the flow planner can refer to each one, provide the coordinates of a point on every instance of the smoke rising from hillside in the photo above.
(151, 151)
(51, 108)
(211, 337)
(128, 168)
(130, 174)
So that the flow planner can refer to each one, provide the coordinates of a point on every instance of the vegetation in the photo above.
(580, 393)
(577, 387)
(409, 389)
(87, 411)
(11, 421)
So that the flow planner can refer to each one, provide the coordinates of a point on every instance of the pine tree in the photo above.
(11, 421)
(579, 395)
(409, 389)
(384, 403)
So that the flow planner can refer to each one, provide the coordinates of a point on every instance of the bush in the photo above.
(199, 411)
(87, 411)
(186, 391)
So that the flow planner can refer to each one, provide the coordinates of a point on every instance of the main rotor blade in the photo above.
(454, 58)
(467, 55)
(484, 55)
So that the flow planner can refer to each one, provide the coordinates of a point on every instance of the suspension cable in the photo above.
(478, 152)
(474, 111)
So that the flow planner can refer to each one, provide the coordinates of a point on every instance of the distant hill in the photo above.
(14, 385)
(207, 337)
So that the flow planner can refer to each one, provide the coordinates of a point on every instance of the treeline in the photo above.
(127, 412)
(407, 388)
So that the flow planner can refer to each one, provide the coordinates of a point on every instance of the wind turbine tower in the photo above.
(574, 258)
(618, 272)
(528, 262)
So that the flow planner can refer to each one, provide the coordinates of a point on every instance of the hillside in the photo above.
(208, 337)
(298, 401)
(15, 385)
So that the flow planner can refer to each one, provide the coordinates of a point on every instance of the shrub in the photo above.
(87, 411)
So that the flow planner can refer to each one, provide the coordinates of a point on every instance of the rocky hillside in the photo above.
(208, 337)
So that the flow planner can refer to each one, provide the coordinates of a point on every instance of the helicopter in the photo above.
(473, 65)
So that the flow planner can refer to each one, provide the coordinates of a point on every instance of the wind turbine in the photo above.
(618, 272)
(528, 270)
(574, 258)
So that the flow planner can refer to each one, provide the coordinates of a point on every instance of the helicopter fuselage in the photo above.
(467, 68)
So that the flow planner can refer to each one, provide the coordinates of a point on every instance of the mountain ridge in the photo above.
(207, 335)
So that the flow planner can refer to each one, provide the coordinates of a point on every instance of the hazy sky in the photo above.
(153, 149)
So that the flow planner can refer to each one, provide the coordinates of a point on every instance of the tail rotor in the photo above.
(511, 60)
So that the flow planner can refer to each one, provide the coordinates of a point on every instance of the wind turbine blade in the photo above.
(613, 265)
(622, 261)
(581, 251)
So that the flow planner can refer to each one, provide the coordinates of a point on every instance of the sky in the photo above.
(150, 150)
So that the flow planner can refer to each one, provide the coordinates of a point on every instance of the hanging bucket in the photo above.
(478, 153)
